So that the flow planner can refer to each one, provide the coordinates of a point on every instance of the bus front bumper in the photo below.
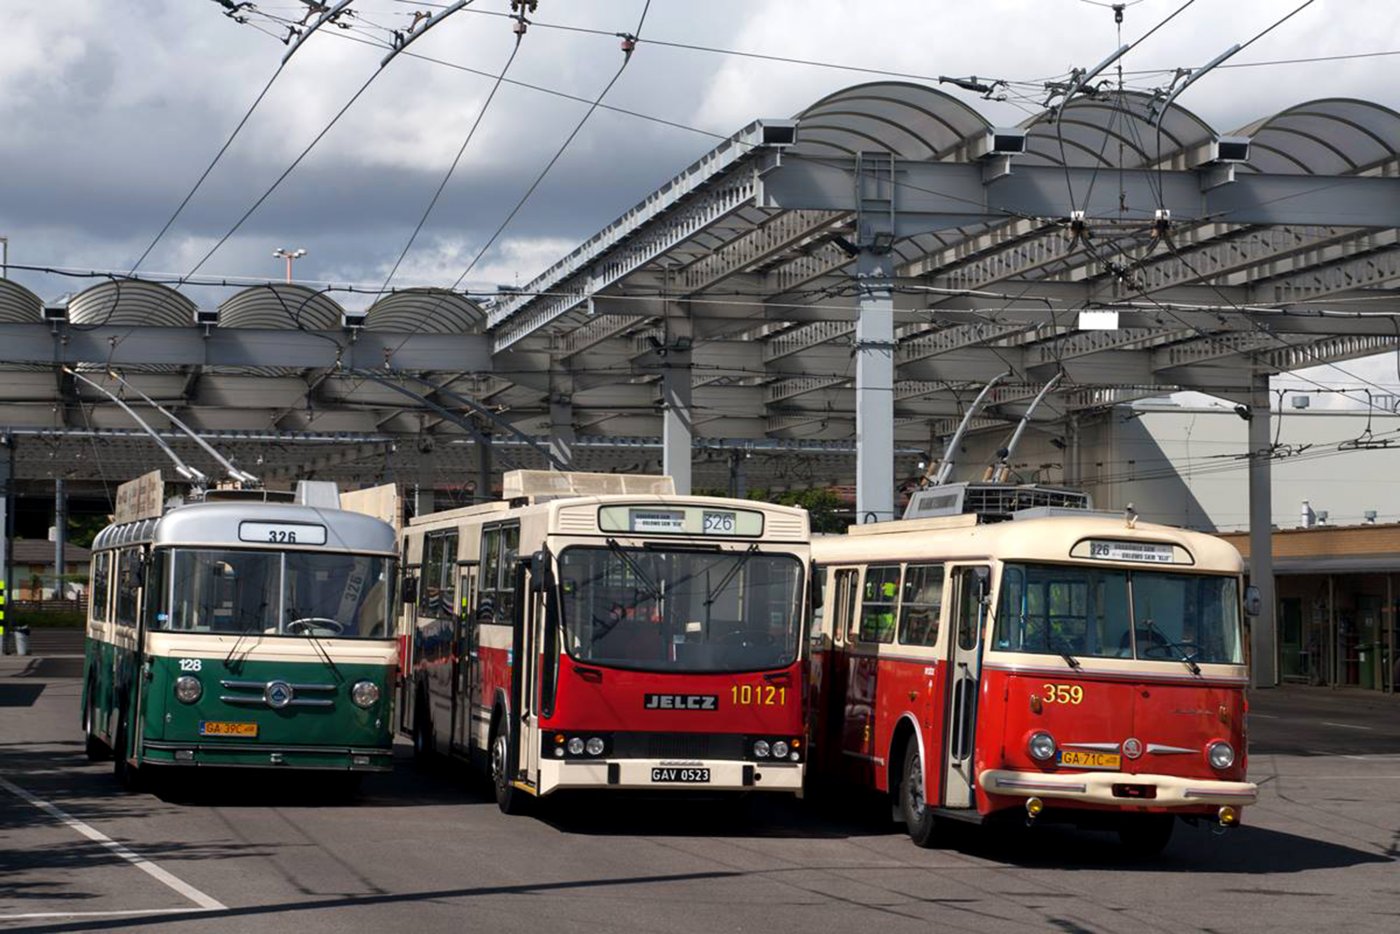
(690, 775)
(229, 755)
(1119, 789)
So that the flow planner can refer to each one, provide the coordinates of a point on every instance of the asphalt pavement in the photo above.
(427, 850)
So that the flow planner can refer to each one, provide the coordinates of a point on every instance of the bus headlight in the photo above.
(1041, 746)
(364, 693)
(576, 746)
(594, 746)
(188, 689)
(780, 750)
(1221, 755)
(761, 748)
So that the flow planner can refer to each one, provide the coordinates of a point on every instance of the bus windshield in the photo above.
(683, 611)
(1112, 613)
(292, 593)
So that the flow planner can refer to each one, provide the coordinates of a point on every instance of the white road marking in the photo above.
(145, 865)
(99, 914)
(1347, 726)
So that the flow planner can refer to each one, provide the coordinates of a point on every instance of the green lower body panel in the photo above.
(259, 756)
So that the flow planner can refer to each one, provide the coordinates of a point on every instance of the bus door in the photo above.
(842, 614)
(466, 684)
(971, 591)
(525, 650)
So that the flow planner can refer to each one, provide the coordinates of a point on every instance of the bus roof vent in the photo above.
(231, 495)
(992, 502)
(540, 485)
(322, 494)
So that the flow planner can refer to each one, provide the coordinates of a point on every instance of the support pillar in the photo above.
(874, 351)
(1264, 628)
(738, 474)
(60, 535)
(422, 501)
(676, 416)
(561, 430)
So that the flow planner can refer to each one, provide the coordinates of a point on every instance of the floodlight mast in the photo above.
(185, 470)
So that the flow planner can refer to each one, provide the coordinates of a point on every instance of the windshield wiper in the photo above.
(652, 590)
(1186, 658)
(315, 641)
(1070, 660)
(713, 595)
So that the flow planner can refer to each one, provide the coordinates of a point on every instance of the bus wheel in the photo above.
(509, 799)
(918, 816)
(127, 775)
(1145, 835)
(95, 748)
(422, 735)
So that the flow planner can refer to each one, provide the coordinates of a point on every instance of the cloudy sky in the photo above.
(110, 111)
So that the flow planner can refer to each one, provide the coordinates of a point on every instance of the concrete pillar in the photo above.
(561, 430)
(874, 351)
(676, 416)
(1264, 631)
(60, 534)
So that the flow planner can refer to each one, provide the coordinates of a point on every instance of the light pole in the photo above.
(289, 255)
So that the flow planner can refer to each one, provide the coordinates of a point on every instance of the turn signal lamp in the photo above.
(1228, 816)
(1034, 806)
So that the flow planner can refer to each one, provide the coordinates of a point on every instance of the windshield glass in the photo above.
(293, 593)
(677, 610)
(1111, 613)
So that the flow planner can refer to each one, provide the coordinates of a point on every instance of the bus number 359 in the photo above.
(758, 695)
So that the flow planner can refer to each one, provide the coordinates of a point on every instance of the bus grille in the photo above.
(677, 746)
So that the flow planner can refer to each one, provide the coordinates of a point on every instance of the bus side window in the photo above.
(128, 583)
(921, 604)
(878, 606)
(101, 585)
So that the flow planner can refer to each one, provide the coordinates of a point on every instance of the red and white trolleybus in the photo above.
(1079, 667)
(599, 631)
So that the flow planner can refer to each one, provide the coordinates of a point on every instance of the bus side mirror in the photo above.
(410, 589)
(540, 573)
(1253, 601)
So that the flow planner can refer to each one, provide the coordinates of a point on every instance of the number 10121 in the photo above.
(758, 695)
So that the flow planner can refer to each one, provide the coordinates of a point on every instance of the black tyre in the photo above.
(93, 746)
(1143, 836)
(913, 805)
(422, 732)
(127, 775)
(509, 799)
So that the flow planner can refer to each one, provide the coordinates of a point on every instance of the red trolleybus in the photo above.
(1072, 667)
(598, 631)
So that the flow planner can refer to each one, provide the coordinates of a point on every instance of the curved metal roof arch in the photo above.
(18, 305)
(911, 120)
(1329, 136)
(130, 302)
(277, 305)
(425, 311)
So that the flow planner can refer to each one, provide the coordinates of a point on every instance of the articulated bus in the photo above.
(241, 633)
(597, 631)
(1079, 668)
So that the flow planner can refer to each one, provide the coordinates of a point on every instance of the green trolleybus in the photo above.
(241, 633)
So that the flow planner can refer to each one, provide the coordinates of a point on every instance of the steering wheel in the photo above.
(1165, 648)
(307, 623)
(604, 625)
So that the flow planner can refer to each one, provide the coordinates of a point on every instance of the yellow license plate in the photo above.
(224, 728)
(1090, 760)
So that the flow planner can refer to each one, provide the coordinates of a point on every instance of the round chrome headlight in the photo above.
(188, 689)
(364, 693)
(761, 748)
(780, 750)
(1041, 747)
(595, 746)
(1221, 755)
(576, 746)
